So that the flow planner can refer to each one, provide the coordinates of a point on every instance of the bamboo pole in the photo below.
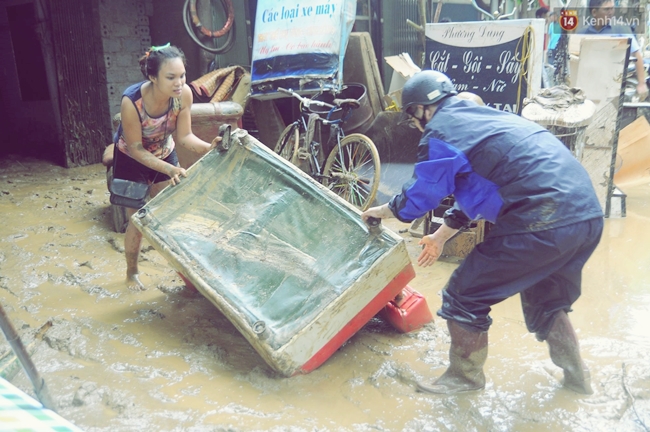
(436, 17)
(40, 388)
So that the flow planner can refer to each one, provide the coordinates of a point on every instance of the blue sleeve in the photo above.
(432, 180)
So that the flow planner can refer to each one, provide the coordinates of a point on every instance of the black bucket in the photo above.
(360, 119)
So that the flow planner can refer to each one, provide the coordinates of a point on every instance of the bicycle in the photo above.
(352, 167)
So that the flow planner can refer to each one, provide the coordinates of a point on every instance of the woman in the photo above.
(144, 148)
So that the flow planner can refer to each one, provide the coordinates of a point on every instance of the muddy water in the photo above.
(166, 360)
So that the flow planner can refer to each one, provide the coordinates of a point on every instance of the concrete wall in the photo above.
(125, 38)
(167, 26)
(130, 27)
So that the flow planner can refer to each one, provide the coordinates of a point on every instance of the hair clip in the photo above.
(158, 48)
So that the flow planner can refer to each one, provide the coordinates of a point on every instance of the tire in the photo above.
(287, 144)
(355, 178)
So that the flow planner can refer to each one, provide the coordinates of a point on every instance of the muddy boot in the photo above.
(467, 356)
(565, 353)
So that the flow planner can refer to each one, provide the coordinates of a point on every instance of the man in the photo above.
(602, 12)
(541, 12)
(547, 222)
(553, 33)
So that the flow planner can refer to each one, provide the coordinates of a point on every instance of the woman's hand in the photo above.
(215, 142)
(175, 173)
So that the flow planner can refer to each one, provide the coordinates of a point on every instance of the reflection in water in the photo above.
(165, 359)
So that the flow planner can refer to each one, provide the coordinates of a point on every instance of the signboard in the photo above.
(501, 61)
(300, 45)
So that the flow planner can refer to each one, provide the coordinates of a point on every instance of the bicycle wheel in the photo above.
(288, 142)
(352, 170)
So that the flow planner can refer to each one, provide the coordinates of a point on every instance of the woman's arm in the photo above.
(184, 134)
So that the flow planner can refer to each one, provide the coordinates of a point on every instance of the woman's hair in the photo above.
(153, 59)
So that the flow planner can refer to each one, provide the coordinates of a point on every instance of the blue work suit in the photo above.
(512, 172)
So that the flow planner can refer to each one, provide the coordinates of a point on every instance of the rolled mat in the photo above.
(206, 86)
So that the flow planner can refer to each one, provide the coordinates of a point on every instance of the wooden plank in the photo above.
(596, 154)
(359, 67)
(372, 69)
(608, 56)
(634, 154)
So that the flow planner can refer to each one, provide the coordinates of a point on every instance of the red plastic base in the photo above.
(369, 311)
(408, 311)
(188, 284)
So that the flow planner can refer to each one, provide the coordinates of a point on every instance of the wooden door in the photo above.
(81, 75)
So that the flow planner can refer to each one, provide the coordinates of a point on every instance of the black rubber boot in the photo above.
(565, 353)
(467, 356)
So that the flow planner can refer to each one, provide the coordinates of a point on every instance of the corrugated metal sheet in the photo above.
(82, 79)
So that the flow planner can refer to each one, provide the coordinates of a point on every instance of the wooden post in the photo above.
(436, 17)
(423, 24)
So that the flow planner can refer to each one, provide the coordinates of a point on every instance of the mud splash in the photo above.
(167, 360)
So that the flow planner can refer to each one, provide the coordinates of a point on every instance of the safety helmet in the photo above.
(425, 88)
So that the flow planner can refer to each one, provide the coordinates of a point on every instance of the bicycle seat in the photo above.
(347, 103)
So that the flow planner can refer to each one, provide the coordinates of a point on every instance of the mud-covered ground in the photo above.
(166, 360)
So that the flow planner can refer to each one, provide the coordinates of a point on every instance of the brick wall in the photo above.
(125, 38)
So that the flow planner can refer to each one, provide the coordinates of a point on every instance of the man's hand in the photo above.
(431, 251)
(433, 245)
(380, 212)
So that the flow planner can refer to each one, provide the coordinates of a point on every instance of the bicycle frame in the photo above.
(315, 147)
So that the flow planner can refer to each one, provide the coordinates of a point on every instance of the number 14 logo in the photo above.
(568, 19)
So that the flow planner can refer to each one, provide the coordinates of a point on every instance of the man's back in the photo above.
(541, 183)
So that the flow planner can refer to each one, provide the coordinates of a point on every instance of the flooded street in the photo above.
(165, 359)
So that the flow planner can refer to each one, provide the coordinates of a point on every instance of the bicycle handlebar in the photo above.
(306, 101)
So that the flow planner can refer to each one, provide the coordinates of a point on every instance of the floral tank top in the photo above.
(156, 131)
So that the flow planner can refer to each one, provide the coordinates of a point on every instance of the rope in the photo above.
(526, 43)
